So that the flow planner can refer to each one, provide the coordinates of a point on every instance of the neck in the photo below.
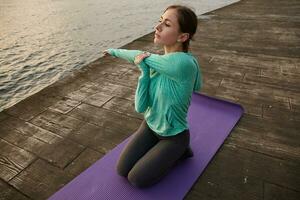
(174, 48)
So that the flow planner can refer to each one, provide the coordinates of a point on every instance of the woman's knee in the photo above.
(138, 179)
(124, 165)
(121, 169)
(135, 176)
(141, 176)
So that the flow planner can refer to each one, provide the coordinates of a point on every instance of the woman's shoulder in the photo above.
(185, 58)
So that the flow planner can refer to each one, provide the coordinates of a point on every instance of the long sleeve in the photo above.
(159, 63)
(198, 80)
(168, 65)
(198, 83)
(142, 90)
(163, 64)
(125, 54)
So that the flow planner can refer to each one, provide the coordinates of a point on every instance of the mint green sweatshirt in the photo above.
(164, 88)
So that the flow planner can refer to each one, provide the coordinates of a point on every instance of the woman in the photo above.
(163, 94)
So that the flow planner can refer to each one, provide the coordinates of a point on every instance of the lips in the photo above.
(156, 35)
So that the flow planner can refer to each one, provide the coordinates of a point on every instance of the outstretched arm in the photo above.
(125, 54)
(168, 65)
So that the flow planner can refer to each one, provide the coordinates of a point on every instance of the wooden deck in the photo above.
(249, 53)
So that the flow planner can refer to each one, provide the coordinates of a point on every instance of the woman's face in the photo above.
(167, 31)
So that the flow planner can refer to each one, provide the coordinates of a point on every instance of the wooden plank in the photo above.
(276, 192)
(282, 82)
(280, 114)
(40, 180)
(13, 160)
(104, 118)
(57, 123)
(3, 116)
(228, 177)
(8, 192)
(83, 161)
(65, 105)
(123, 106)
(68, 150)
(267, 137)
(237, 173)
(25, 111)
(98, 138)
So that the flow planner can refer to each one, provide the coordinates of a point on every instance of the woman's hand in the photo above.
(105, 53)
(139, 58)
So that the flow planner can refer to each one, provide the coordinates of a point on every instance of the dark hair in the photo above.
(187, 21)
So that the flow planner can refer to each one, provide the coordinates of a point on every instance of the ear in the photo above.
(184, 37)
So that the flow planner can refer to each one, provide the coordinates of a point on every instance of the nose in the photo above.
(157, 27)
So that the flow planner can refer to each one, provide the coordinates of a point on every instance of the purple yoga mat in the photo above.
(210, 122)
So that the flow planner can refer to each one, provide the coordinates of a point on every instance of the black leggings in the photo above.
(148, 156)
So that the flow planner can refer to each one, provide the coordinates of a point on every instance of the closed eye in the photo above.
(165, 23)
